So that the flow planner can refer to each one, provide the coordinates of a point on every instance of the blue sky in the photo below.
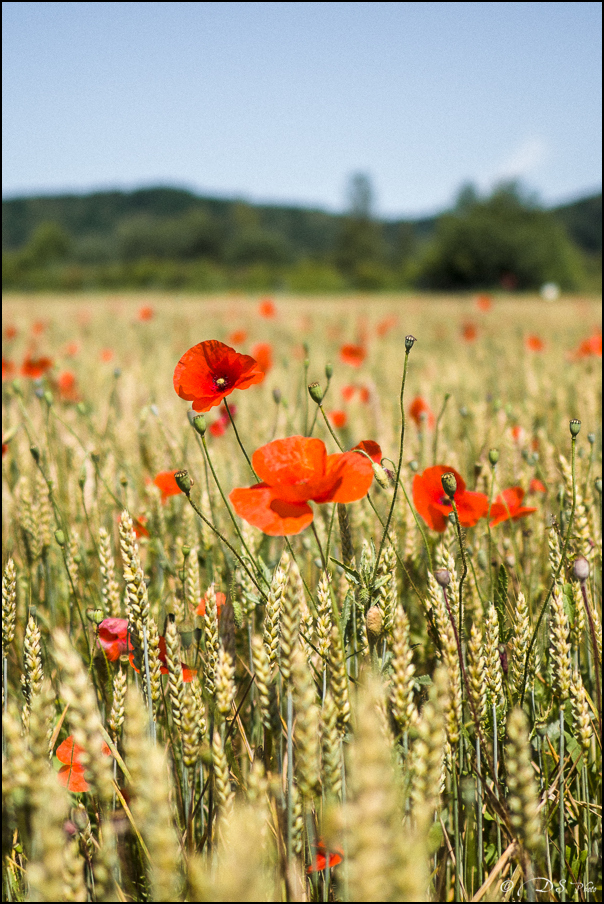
(282, 102)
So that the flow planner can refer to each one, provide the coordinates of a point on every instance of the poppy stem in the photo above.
(326, 419)
(232, 517)
(490, 541)
(557, 574)
(398, 467)
(314, 530)
(464, 564)
(437, 425)
(241, 446)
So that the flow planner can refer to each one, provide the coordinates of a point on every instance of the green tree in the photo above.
(505, 239)
(48, 244)
(361, 252)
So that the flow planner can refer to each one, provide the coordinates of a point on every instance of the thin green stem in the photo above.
(326, 419)
(241, 446)
(398, 469)
(557, 574)
(490, 546)
(561, 802)
(437, 426)
(464, 566)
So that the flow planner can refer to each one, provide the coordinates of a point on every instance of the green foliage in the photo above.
(171, 238)
(501, 240)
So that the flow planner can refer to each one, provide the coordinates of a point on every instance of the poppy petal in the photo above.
(348, 477)
(72, 777)
(259, 506)
(372, 449)
(293, 461)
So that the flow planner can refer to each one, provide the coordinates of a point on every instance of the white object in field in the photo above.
(550, 291)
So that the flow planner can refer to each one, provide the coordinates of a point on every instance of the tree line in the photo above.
(168, 238)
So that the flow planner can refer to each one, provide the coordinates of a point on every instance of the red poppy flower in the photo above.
(10, 332)
(35, 367)
(320, 855)
(263, 355)
(372, 449)
(218, 428)
(364, 394)
(210, 371)
(338, 418)
(187, 673)
(433, 504)
(509, 505)
(220, 601)
(8, 369)
(237, 337)
(113, 638)
(385, 325)
(353, 354)
(469, 332)
(267, 308)
(146, 312)
(484, 303)
(592, 346)
(67, 386)
(295, 471)
(536, 486)
(421, 413)
(71, 775)
(518, 433)
(71, 349)
(106, 354)
(38, 327)
(534, 343)
(348, 392)
(167, 484)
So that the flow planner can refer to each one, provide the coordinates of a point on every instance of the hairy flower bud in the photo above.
(316, 393)
(581, 568)
(493, 456)
(409, 342)
(183, 482)
(449, 484)
(574, 426)
(442, 577)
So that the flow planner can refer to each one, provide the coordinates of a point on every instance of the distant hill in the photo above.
(171, 237)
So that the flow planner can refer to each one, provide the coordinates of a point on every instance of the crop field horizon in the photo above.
(302, 597)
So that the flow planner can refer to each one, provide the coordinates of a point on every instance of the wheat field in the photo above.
(399, 702)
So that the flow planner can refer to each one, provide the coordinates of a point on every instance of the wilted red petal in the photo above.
(372, 449)
(353, 354)
(210, 371)
(167, 484)
(259, 506)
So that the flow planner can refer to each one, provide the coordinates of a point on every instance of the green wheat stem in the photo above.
(437, 426)
(557, 574)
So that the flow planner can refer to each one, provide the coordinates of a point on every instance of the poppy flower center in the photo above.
(444, 500)
(221, 382)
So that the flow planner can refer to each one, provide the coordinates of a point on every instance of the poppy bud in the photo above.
(591, 438)
(183, 481)
(199, 424)
(380, 475)
(463, 411)
(81, 408)
(95, 615)
(117, 373)
(60, 537)
(493, 456)
(374, 620)
(329, 370)
(413, 466)
(449, 484)
(575, 426)
(316, 393)
(442, 577)
(82, 478)
(276, 395)
(124, 480)
(185, 551)
(48, 397)
(39, 390)
(581, 568)
(598, 485)
(409, 342)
